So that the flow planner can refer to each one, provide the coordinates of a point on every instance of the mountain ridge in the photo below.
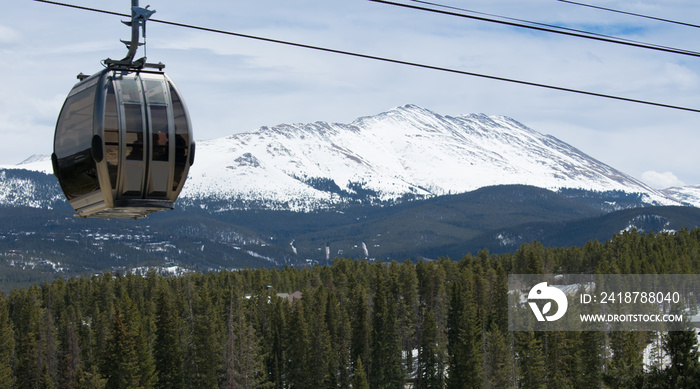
(407, 152)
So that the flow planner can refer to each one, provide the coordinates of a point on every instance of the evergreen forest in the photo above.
(357, 324)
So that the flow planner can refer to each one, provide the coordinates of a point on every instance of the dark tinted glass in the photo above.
(134, 132)
(77, 172)
(182, 138)
(159, 125)
(111, 134)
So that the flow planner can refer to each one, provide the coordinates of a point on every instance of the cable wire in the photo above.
(544, 29)
(632, 14)
(549, 25)
(384, 59)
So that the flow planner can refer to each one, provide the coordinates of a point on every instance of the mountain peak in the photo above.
(414, 109)
(35, 158)
(37, 163)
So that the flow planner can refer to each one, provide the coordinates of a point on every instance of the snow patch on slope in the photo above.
(20, 190)
(688, 194)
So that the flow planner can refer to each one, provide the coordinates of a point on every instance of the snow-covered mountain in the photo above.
(407, 151)
(28, 184)
(37, 162)
(687, 194)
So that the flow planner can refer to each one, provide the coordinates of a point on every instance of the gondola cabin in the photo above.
(123, 144)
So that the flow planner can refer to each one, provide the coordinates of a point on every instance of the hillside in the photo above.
(42, 244)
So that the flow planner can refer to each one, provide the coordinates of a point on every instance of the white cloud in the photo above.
(8, 35)
(661, 180)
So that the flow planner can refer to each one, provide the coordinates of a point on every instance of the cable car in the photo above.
(123, 144)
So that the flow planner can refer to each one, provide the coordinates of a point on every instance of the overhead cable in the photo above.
(632, 14)
(546, 25)
(384, 59)
(544, 29)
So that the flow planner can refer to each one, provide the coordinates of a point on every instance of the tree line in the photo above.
(428, 324)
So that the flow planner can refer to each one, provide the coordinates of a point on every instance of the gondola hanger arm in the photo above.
(139, 17)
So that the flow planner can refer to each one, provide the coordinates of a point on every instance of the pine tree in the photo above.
(46, 381)
(590, 357)
(531, 364)
(340, 336)
(454, 322)
(203, 343)
(499, 291)
(92, 380)
(682, 348)
(135, 321)
(321, 357)
(464, 339)
(47, 339)
(498, 362)
(244, 367)
(359, 379)
(560, 359)
(166, 349)
(360, 324)
(121, 358)
(27, 327)
(101, 329)
(298, 349)
(430, 355)
(28, 358)
(7, 345)
(407, 307)
(275, 358)
(70, 362)
(625, 368)
(385, 370)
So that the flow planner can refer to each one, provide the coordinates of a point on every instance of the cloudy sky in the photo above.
(234, 84)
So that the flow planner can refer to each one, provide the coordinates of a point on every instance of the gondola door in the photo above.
(160, 130)
(135, 141)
